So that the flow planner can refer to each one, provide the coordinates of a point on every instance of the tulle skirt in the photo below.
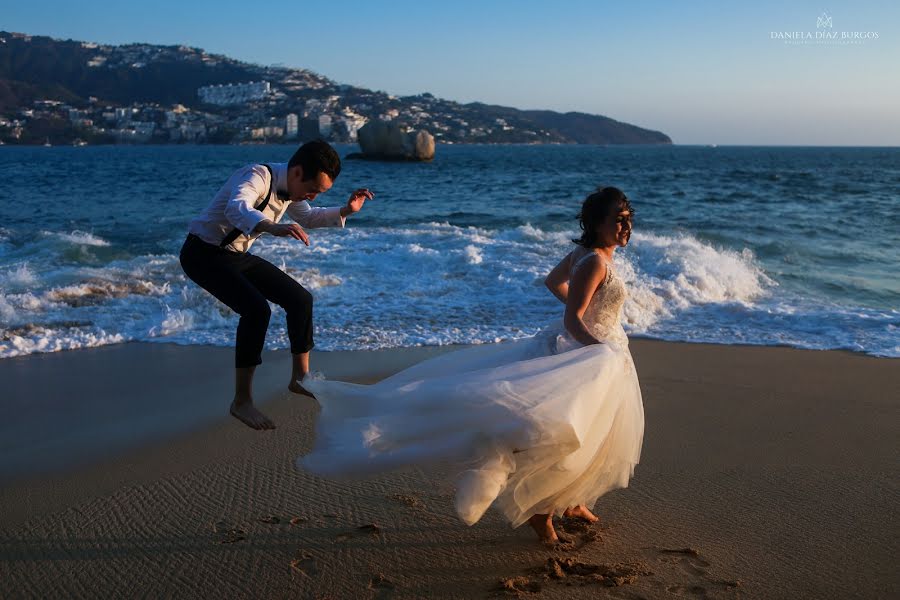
(534, 426)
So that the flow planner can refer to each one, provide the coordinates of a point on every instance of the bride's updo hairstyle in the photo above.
(596, 208)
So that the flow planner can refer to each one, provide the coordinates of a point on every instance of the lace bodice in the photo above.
(603, 314)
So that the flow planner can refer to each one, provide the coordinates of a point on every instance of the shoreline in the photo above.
(766, 473)
(428, 348)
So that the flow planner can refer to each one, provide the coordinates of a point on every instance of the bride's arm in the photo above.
(558, 279)
(585, 280)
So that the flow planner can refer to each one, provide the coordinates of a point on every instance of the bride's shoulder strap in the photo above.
(583, 259)
(593, 259)
(599, 265)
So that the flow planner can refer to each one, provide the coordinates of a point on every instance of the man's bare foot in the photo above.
(250, 416)
(581, 512)
(296, 387)
(543, 527)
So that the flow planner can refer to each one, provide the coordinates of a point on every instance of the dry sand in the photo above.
(766, 473)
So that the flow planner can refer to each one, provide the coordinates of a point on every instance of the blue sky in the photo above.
(702, 72)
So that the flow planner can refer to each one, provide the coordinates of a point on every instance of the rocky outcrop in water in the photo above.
(381, 140)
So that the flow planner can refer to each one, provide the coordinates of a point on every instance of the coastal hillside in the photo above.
(56, 91)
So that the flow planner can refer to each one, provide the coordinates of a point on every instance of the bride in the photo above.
(538, 427)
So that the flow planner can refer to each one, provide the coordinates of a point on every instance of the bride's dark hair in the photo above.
(596, 208)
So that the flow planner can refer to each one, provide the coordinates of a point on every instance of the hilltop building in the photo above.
(239, 93)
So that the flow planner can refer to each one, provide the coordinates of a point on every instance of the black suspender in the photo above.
(235, 233)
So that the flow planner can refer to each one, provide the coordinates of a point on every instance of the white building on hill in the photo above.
(234, 93)
(291, 125)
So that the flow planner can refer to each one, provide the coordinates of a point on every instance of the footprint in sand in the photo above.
(305, 565)
(228, 534)
(270, 520)
(410, 500)
(697, 591)
(575, 533)
(570, 571)
(518, 586)
(367, 529)
(571, 525)
(382, 586)
(563, 543)
(688, 559)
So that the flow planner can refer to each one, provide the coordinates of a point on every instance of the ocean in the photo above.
(739, 245)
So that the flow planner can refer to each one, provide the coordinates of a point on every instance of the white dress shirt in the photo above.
(233, 207)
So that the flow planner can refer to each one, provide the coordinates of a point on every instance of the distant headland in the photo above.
(71, 92)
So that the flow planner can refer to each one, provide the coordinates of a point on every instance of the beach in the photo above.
(766, 472)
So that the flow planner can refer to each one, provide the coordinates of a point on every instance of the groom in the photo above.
(215, 256)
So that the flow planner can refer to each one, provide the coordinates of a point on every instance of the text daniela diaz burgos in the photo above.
(824, 36)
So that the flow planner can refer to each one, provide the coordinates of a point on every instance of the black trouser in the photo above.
(244, 283)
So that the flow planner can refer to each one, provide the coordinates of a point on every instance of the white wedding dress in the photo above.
(535, 425)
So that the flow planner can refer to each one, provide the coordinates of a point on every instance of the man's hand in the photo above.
(284, 230)
(356, 201)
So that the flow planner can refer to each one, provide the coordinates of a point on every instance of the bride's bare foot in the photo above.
(247, 414)
(296, 387)
(543, 527)
(581, 512)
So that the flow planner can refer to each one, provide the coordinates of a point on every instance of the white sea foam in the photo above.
(53, 341)
(174, 321)
(429, 284)
(312, 279)
(473, 255)
(7, 312)
(24, 303)
(418, 249)
(666, 274)
(80, 238)
(16, 277)
(528, 232)
(98, 291)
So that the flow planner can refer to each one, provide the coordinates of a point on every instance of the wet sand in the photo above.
(766, 473)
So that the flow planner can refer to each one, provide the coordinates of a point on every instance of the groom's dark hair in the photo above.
(595, 209)
(316, 157)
